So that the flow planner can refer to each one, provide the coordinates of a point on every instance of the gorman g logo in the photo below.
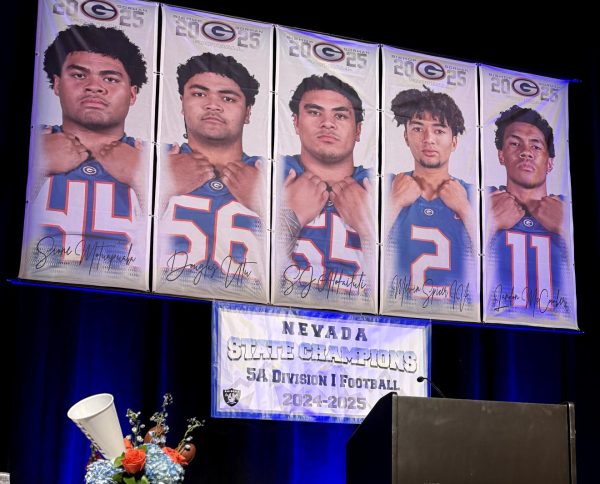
(525, 87)
(218, 31)
(328, 52)
(431, 70)
(99, 10)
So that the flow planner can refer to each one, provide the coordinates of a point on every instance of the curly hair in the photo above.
(106, 41)
(327, 82)
(516, 114)
(223, 65)
(412, 102)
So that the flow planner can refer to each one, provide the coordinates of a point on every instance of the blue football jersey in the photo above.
(87, 217)
(212, 238)
(432, 255)
(528, 269)
(328, 255)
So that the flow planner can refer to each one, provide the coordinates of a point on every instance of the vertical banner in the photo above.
(213, 182)
(325, 220)
(292, 364)
(91, 154)
(529, 277)
(430, 230)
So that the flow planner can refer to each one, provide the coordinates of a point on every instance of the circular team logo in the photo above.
(329, 203)
(528, 222)
(431, 70)
(89, 170)
(218, 31)
(216, 185)
(525, 87)
(99, 10)
(429, 212)
(328, 52)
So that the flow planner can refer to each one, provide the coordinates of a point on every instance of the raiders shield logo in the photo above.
(232, 396)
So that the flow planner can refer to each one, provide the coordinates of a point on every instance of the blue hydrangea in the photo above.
(160, 468)
(100, 472)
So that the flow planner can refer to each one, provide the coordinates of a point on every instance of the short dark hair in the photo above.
(106, 41)
(516, 114)
(223, 65)
(412, 102)
(327, 82)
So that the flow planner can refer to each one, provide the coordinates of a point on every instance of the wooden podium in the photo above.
(412, 440)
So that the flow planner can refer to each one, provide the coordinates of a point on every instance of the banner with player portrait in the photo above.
(325, 220)
(430, 205)
(529, 274)
(214, 175)
(293, 364)
(90, 182)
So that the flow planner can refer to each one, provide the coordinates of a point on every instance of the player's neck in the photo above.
(94, 140)
(526, 195)
(331, 173)
(431, 179)
(218, 154)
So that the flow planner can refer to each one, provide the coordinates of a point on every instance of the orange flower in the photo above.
(128, 444)
(134, 460)
(175, 456)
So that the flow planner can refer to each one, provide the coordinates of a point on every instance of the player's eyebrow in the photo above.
(309, 106)
(85, 70)
(439, 124)
(530, 140)
(228, 92)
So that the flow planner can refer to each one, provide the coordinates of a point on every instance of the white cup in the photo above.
(96, 416)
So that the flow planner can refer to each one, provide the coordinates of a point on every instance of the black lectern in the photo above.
(412, 440)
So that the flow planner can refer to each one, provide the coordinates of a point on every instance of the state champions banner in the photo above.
(292, 364)
(214, 172)
(325, 188)
(430, 205)
(89, 188)
(529, 275)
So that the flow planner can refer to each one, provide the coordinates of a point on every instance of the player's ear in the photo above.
(550, 165)
(358, 130)
(501, 157)
(133, 92)
(295, 120)
(56, 84)
(454, 142)
(248, 113)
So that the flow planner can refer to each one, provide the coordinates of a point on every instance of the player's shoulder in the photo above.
(291, 162)
(252, 160)
(360, 173)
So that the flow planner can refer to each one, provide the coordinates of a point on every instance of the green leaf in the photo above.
(118, 477)
(130, 480)
(119, 460)
(144, 480)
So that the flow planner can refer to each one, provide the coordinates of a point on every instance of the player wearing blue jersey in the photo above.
(326, 225)
(527, 250)
(215, 194)
(430, 217)
(92, 174)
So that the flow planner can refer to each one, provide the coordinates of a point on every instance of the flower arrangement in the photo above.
(146, 460)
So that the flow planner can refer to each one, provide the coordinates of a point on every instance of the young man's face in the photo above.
(326, 126)
(431, 141)
(525, 155)
(214, 108)
(95, 91)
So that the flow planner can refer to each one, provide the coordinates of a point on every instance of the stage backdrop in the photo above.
(214, 175)
(430, 205)
(529, 276)
(325, 184)
(291, 364)
(91, 154)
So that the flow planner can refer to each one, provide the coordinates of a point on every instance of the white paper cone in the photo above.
(96, 416)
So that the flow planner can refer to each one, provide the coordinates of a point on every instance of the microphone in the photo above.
(421, 379)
